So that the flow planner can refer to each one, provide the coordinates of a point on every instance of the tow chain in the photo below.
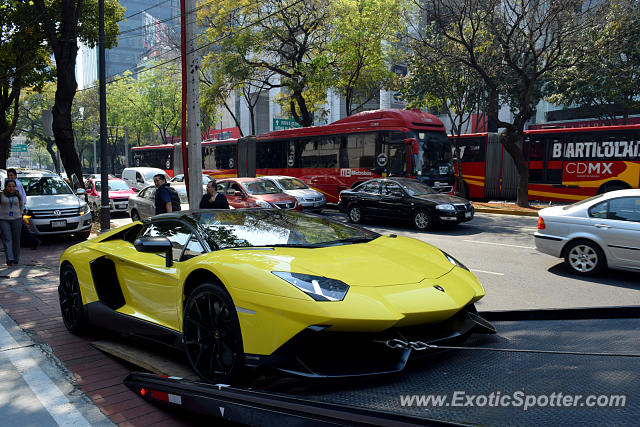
(397, 343)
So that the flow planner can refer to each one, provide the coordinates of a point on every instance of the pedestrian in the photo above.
(11, 207)
(166, 198)
(212, 199)
(26, 233)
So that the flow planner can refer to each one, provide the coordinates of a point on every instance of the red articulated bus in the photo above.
(566, 164)
(333, 157)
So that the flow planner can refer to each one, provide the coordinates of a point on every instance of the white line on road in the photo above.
(500, 244)
(56, 403)
(487, 272)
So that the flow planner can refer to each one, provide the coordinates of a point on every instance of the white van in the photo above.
(140, 177)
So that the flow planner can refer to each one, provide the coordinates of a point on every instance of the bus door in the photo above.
(393, 157)
(545, 165)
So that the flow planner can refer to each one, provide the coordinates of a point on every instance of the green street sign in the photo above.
(281, 124)
(19, 148)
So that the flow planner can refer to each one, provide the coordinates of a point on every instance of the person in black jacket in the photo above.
(166, 199)
(212, 199)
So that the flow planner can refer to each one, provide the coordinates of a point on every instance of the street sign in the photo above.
(19, 148)
(281, 124)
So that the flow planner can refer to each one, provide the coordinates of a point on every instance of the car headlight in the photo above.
(446, 208)
(454, 261)
(300, 199)
(83, 209)
(263, 204)
(317, 287)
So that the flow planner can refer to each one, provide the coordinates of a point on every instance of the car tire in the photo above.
(135, 216)
(211, 334)
(585, 258)
(422, 220)
(354, 212)
(73, 311)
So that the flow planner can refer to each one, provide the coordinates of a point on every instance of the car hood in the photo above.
(385, 261)
(278, 197)
(304, 192)
(441, 198)
(119, 194)
(56, 201)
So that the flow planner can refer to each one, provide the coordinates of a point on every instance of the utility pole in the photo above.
(105, 215)
(194, 174)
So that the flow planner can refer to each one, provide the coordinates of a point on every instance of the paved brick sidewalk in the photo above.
(28, 293)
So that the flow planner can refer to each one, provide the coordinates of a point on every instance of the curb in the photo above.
(505, 212)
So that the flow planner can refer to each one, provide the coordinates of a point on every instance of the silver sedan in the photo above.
(143, 205)
(593, 234)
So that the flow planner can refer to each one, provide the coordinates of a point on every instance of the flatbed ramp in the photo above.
(542, 366)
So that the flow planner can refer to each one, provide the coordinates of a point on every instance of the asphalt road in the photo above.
(500, 250)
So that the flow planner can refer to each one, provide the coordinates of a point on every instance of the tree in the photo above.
(607, 75)
(287, 38)
(438, 83)
(86, 125)
(161, 96)
(32, 106)
(531, 36)
(24, 62)
(362, 48)
(66, 22)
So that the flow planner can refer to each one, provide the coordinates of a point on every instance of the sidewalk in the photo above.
(507, 208)
(28, 294)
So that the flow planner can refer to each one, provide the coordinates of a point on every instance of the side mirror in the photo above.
(80, 192)
(155, 245)
(238, 193)
(134, 189)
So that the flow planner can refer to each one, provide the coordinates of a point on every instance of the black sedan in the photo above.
(404, 198)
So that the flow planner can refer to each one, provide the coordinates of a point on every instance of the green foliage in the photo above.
(160, 99)
(607, 71)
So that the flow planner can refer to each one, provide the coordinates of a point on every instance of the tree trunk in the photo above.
(304, 118)
(54, 157)
(5, 143)
(509, 141)
(65, 92)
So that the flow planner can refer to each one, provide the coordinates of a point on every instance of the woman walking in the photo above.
(11, 207)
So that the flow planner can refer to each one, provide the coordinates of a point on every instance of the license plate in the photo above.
(317, 204)
(121, 206)
(58, 224)
(467, 214)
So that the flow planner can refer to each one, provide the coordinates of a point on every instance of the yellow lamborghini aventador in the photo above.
(268, 288)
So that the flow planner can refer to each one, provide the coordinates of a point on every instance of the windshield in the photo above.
(231, 229)
(292, 184)
(148, 176)
(417, 188)
(44, 186)
(113, 186)
(434, 154)
(261, 187)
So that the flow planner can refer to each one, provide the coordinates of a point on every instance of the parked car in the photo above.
(179, 179)
(3, 176)
(119, 193)
(405, 199)
(255, 193)
(308, 198)
(593, 234)
(52, 208)
(142, 205)
(141, 177)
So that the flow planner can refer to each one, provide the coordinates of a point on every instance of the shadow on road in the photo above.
(617, 278)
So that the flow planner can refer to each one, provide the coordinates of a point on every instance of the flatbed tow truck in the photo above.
(543, 367)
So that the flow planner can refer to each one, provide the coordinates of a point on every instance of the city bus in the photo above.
(333, 157)
(565, 164)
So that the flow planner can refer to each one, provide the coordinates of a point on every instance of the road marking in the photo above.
(500, 244)
(53, 400)
(487, 272)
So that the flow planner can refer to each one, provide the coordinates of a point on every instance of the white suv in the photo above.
(52, 208)
(140, 177)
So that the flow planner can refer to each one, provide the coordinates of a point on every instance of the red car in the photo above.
(119, 193)
(255, 193)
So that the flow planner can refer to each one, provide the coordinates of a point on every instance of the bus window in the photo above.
(271, 154)
(306, 153)
(534, 154)
(328, 151)
(471, 150)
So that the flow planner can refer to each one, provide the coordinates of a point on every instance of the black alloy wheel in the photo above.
(71, 307)
(211, 333)
(135, 216)
(422, 220)
(355, 214)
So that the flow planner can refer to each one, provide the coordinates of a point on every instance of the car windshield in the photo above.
(292, 184)
(44, 185)
(582, 202)
(261, 187)
(148, 176)
(249, 228)
(113, 186)
(417, 188)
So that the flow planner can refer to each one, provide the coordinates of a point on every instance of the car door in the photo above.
(91, 194)
(620, 229)
(392, 200)
(151, 289)
(237, 201)
(147, 202)
(369, 197)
